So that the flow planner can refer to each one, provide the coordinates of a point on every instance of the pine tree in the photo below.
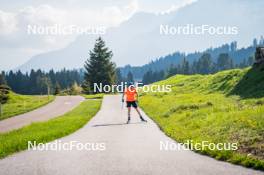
(99, 68)
(86, 87)
(173, 70)
(4, 91)
(233, 46)
(194, 67)
(130, 77)
(147, 77)
(250, 61)
(224, 61)
(57, 89)
(255, 42)
(2, 78)
(185, 66)
(205, 64)
(119, 77)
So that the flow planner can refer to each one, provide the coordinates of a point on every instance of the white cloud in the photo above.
(16, 24)
(115, 14)
(177, 6)
(7, 23)
(43, 14)
(14, 21)
(13, 27)
(131, 8)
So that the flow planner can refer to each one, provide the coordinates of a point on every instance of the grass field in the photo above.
(19, 104)
(227, 107)
(94, 96)
(43, 132)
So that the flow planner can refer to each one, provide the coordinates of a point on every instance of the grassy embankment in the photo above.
(43, 132)
(19, 104)
(94, 96)
(226, 107)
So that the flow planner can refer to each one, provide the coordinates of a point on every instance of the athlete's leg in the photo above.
(138, 111)
(128, 111)
(135, 106)
(128, 114)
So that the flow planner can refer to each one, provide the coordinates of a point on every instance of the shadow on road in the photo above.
(116, 124)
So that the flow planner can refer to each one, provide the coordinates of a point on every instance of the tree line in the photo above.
(239, 55)
(97, 69)
(204, 65)
(40, 82)
(100, 69)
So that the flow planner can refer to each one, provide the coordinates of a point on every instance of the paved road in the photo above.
(59, 106)
(130, 149)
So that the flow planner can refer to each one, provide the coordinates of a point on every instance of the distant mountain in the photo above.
(126, 42)
(138, 40)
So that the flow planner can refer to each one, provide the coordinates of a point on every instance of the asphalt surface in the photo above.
(59, 106)
(129, 149)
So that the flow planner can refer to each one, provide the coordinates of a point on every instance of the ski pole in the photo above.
(122, 103)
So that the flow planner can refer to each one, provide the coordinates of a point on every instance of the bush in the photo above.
(4, 91)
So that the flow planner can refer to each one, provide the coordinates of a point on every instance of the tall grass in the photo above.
(215, 108)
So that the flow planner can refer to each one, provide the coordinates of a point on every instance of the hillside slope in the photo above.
(19, 104)
(227, 107)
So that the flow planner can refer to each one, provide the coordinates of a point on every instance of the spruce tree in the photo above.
(119, 77)
(99, 68)
(130, 77)
(185, 66)
(57, 90)
(205, 64)
(173, 70)
(224, 61)
(4, 91)
(2, 78)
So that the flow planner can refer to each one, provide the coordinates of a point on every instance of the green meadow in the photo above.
(94, 96)
(226, 107)
(19, 104)
(43, 132)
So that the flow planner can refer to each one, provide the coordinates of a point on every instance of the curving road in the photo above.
(59, 106)
(130, 149)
